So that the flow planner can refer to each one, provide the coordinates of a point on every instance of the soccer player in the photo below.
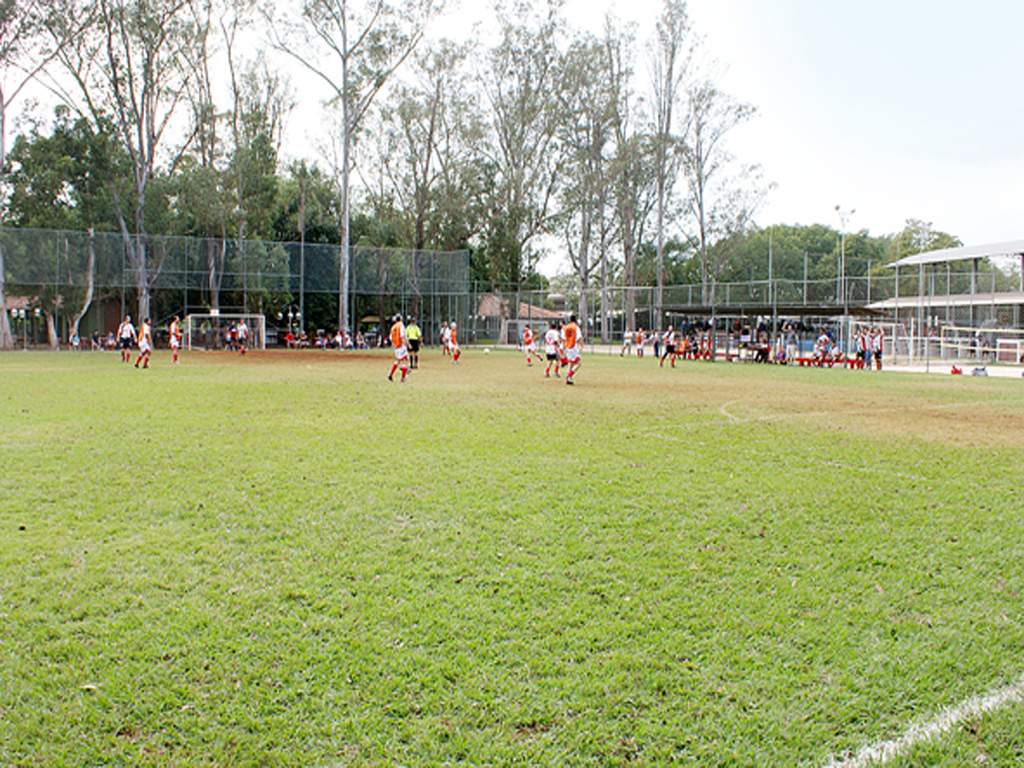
(175, 334)
(669, 347)
(414, 334)
(243, 336)
(145, 344)
(551, 341)
(627, 344)
(572, 348)
(641, 339)
(453, 342)
(446, 338)
(126, 338)
(398, 339)
(876, 348)
(530, 346)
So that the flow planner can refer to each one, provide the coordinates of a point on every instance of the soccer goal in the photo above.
(213, 331)
(998, 345)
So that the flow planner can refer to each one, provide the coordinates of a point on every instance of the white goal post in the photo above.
(212, 331)
(1000, 345)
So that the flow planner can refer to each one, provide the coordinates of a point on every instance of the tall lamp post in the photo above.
(844, 219)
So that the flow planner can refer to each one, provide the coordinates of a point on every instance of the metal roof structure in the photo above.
(946, 255)
(1009, 298)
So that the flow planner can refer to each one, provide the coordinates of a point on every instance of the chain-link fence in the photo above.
(57, 282)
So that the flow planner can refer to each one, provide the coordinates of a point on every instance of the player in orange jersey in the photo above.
(641, 339)
(398, 345)
(530, 346)
(175, 337)
(453, 342)
(571, 333)
(145, 343)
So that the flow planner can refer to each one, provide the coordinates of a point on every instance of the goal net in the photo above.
(997, 345)
(214, 331)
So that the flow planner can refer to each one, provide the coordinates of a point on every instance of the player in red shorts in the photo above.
(145, 344)
(453, 342)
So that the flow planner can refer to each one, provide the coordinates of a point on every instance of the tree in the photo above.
(66, 180)
(134, 66)
(588, 109)
(716, 206)
(30, 38)
(354, 51)
(669, 64)
(427, 134)
(525, 158)
(631, 166)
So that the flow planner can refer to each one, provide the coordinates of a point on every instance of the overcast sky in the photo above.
(896, 108)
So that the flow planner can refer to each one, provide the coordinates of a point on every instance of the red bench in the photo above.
(847, 362)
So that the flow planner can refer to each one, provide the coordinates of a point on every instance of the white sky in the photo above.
(898, 108)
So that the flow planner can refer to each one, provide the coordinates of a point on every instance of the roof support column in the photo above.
(974, 286)
(920, 308)
(896, 295)
(1022, 273)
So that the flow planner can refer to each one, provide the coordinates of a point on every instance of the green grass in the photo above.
(285, 560)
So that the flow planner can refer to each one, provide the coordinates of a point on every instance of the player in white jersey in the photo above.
(668, 342)
(126, 338)
(145, 344)
(627, 344)
(552, 342)
(243, 336)
(446, 339)
(175, 339)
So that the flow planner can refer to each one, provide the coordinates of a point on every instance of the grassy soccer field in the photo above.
(285, 560)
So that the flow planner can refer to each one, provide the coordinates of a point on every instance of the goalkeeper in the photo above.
(413, 335)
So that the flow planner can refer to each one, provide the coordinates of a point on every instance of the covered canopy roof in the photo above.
(1012, 248)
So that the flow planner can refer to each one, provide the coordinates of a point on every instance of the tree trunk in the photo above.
(138, 255)
(51, 330)
(89, 285)
(6, 339)
(345, 260)
(660, 277)
(629, 264)
(584, 269)
(215, 258)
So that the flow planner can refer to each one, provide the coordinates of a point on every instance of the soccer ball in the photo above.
(487, 350)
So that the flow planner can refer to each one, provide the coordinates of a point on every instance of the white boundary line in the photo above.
(884, 751)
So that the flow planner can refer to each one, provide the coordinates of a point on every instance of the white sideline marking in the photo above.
(884, 751)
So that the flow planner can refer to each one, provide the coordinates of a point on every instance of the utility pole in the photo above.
(771, 284)
(844, 218)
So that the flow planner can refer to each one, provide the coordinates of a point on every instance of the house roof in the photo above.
(493, 305)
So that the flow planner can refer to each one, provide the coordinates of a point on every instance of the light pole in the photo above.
(844, 218)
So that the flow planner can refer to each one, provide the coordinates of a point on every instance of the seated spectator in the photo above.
(289, 340)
